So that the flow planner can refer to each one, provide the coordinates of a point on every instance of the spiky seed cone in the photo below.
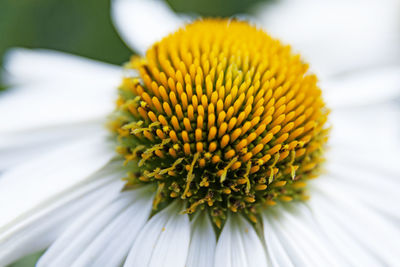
(222, 116)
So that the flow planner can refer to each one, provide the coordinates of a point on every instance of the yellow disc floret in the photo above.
(222, 116)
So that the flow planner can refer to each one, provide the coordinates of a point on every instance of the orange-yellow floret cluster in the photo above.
(222, 116)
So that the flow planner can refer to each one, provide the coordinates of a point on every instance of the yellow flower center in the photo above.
(222, 116)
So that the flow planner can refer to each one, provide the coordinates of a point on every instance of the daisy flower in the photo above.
(205, 155)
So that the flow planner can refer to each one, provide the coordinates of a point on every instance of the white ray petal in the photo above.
(40, 181)
(111, 247)
(363, 87)
(59, 89)
(19, 147)
(376, 167)
(223, 251)
(379, 236)
(383, 160)
(40, 65)
(202, 243)
(163, 242)
(364, 178)
(40, 229)
(143, 22)
(78, 237)
(239, 245)
(275, 249)
(337, 36)
(380, 198)
(288, 242)
(172, 246)
(357, 255)
(371, 128)
(51, 104)
(333, 238)
(309, 237)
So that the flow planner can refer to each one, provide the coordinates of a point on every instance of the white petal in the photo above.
(111, 247)
(386, 204)
(370, 229)
(52, 104)
(202, 243)
(382, 161)
(40, 229)
(23, 146)
(40, 181)
(39, 65)
(361, 174)
(163, 242)
(370, 128)
(275, 248)
(337, 36)
(364, 178)
(357, 255)
(239, 245)
(69, 246)
(369, 133)
(144, 22)
(334, 238)
(79, 236)
(59, 89)
(362, 88)
(289, 241)
(308, 237)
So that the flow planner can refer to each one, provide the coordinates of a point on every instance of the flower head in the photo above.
(222, 116)
(216, 120)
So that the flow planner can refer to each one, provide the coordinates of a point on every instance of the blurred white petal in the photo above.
(374, 127)
(351, 254)
(144, 22)
(59, 89)
(43, 105)
(44, 225)
(337, 36)
(309, 238)
(371, 183)
(37, 182)
(23, 146)
(373, 231)
(276, 250)
(362, 88)
(163, 242)
(348, 246)
(299, 246)
(68, 247)
(40, 65)
(111, 247)
(202, 243)
(239, 245)
(78, 238)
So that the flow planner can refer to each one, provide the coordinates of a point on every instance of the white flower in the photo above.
(61, 183)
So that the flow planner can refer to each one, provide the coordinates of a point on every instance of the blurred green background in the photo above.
(84, 27)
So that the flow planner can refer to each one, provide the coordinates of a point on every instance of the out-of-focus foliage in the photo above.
(222, 8)
(84, 27)
(27, 261)
(75, 26)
